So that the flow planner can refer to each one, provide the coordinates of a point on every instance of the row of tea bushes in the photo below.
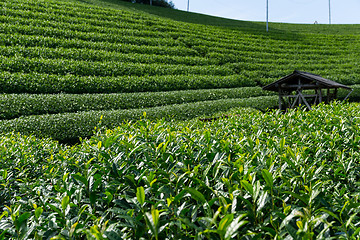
(71, 126)
(210, 58)
(16, 105)
(14, 39)
(82, 54)
(88, 36)
(105, 68)
(49, 83)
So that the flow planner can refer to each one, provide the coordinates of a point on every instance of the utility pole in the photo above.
(188, 5)
(150, 2)
(267, 15)
(329, 13)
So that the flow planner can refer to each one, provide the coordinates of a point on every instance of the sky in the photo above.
(287, 11)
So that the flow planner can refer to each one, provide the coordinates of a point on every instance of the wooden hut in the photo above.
(304, 89)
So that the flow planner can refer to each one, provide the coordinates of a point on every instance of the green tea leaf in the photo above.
(348, 222)
(152, 221)
(23, 217)
(268, 177)
(93, 197)
(234, 226)
(109, 197)
(225, 222)
(140, 195)
(65, 202)
(195, 194)
(38, 212)
(155, 216)
(248, 187)
(297, 196)
(180, 195)
(2, 235)
(72, 229)
(80, 178)
(55, 209)
(96, 184)
(282, 144)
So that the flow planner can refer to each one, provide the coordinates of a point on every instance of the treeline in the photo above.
(159, 3)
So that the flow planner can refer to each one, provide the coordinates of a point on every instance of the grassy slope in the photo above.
(197, 18)
(96, 47)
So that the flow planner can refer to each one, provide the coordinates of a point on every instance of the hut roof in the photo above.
(305, 76)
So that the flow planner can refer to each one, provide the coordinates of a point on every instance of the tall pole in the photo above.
(150, 2)
(188, 5)
(267, 15)
(329, 13)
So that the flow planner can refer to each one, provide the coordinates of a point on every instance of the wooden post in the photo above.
(320, 95)
(280, 101)
(295, 101)
(306, 103)
(316, 97)
(335, 93)
(348, 94)
(328, 96)
(299, 91)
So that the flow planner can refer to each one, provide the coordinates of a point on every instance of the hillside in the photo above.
(132, 82)
(197, 18)
(116, 59)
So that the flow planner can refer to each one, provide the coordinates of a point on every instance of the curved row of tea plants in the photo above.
(251, 176)
(16, 105)
(50, 83)
(350, 72)
(211, 58)
(68, 127)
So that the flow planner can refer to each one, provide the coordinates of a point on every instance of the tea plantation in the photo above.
(252, 176)
(65, 63)
(128, 84)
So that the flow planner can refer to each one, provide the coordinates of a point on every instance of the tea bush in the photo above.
(239, 174)
(70, 126)
(48, 83)
(16, 105)
(71, 47)
(253, 175)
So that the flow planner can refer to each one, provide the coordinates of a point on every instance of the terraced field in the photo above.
(65, 63)
(131, 82)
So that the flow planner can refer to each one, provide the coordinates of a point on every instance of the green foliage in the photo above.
(48, 83)
(74, 47)
(254, 175)
(16, 105)
(71, 126)
(249, 175)
(78, 40)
